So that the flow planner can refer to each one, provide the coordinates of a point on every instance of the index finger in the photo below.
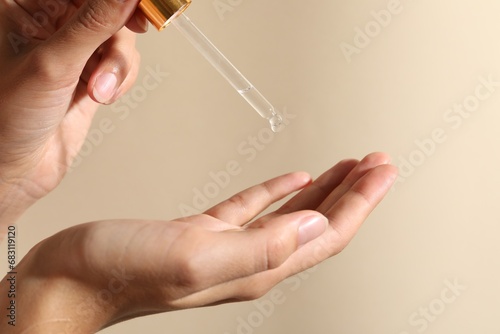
(246, 205)
(312, 196)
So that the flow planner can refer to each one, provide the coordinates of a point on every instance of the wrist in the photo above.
(47, 299)
(14, 201)
(18, 191)
(22, 184)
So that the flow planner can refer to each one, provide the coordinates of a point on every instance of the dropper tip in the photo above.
(277, 123)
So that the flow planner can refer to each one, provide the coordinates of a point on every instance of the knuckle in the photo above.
(335, 242)
(238, 202)
(121, 63)
(237, 205)
(94, 17)
(267, 190)
(277, 251)
(187, 271)
(363, 196)
(42, 66)
(187, 261)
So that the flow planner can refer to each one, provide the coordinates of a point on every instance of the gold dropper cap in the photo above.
(161, 12)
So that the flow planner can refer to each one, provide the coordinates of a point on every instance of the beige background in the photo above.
(440, 224)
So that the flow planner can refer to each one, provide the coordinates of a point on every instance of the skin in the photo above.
(208, 259)
(94, 275)
(47, 90)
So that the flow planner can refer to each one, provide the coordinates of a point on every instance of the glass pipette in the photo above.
(228, 71)
(163, 12)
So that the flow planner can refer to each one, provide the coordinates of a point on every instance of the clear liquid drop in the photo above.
(277, 123)
(263, 107)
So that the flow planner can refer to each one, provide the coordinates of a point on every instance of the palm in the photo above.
(216, 256)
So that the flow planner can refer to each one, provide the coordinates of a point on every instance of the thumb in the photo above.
(268, 246)
(217, 266)
(93, 24)
(225, 256)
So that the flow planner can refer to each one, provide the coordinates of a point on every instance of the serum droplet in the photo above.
(277, 123)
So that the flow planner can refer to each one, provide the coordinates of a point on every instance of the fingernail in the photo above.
(105, 86)
(311, 227)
